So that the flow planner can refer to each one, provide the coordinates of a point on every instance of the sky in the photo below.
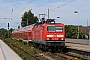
(57, 8)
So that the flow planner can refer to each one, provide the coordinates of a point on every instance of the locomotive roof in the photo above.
(37, 25)
(48, 21)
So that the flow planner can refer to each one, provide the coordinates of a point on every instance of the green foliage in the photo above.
(4, 33)
(72, 32)
(28, 17)
(48, 53)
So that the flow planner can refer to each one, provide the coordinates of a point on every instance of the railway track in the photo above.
(72, 54)
(69, 56)
(36, 57)
(80, 54)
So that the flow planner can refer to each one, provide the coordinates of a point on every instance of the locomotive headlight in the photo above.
(61, 38)
(47, 38)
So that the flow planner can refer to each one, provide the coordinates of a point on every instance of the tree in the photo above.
(10, 32)
(28, 18)
(71, 32)
(3, 33)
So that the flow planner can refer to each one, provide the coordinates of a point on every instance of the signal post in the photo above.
(8, 30)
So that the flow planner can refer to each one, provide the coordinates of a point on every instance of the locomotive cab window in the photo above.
(59, 29)
(54, 28)
(51, 28)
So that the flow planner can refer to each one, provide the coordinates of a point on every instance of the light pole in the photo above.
(58, 18)
(78, 23)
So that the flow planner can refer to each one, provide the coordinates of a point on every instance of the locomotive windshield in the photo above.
(54, 28)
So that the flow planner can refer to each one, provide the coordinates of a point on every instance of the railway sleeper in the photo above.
(79, 53)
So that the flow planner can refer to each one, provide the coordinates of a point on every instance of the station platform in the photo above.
(78, 46)
(1, 55)
(7, 53)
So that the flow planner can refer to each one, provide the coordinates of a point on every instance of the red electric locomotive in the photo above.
(49, 35)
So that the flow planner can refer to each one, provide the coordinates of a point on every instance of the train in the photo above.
(46, 35)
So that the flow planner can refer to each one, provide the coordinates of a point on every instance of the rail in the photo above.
(79, 53)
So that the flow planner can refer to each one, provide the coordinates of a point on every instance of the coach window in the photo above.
(21, 34)
(29, 33)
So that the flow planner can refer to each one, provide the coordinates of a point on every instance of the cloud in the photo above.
(66, 13)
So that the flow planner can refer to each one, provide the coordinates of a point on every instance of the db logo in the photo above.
(55, 35)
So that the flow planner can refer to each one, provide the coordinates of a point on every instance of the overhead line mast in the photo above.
(12, 12)
(48, 13)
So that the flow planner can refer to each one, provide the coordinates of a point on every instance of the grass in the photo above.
(48, 53)
(26, 47)
(32, 50)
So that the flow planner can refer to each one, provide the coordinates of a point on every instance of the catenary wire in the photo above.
(62, 5)
(23, 8)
